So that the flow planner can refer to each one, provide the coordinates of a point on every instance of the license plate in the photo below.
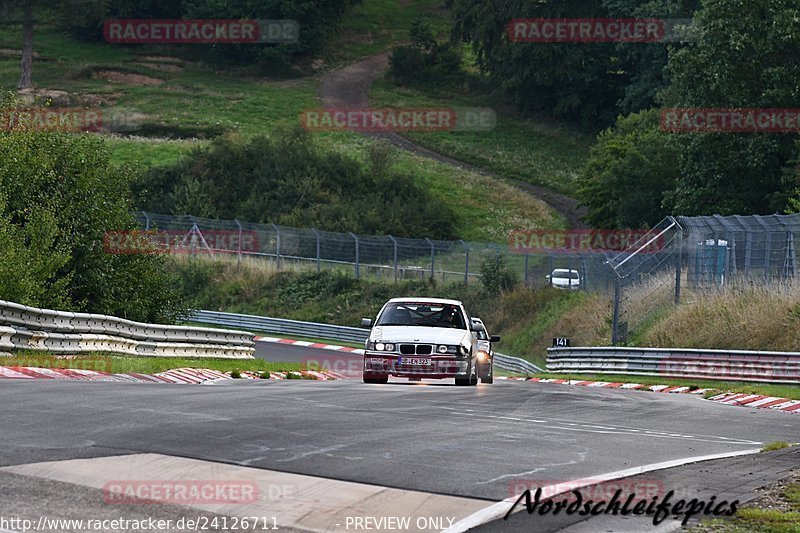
(416, 361)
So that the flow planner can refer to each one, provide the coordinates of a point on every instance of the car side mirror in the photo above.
(547, 276)
(494, 338)
(366, 322)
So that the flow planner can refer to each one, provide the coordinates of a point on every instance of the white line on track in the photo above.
(499, 509)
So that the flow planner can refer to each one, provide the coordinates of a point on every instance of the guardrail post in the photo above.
(146, 221)
(466, 262)
(239, 254)
(316, 233)
(358, 260)
(433, 256)
(394, 243)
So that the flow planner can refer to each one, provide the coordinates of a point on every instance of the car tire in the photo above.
(467, 381)
(489, 377)
(377, 381)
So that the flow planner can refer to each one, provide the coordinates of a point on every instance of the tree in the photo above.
(747, 56)
(630, 169)
(59, 196)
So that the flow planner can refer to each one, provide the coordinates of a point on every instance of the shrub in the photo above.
(285, 179)
(496, 275)
(59, 195)
(425, 61)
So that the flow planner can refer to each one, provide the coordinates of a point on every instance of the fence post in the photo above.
(146, 221)
(526, 268)
(316, 233)
(678, 268)
(277, 245)
(394, 260)
(239, 254)
(615, 320)
(466, 262)
(358, 260)
(433, 255)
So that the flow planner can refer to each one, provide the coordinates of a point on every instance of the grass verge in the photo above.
(142, 365)
(776, 510)
(773, 446)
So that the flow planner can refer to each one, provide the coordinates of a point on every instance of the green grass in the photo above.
(143, 365)
(773, 446)
(199, 98)
(756, 519)
(376, 25)
(791, 392)
(529, 150)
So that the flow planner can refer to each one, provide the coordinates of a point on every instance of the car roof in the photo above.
(425, 299)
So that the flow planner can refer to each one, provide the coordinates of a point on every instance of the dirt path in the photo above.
(348, 87)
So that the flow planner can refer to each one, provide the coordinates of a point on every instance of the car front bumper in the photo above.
(439, 367)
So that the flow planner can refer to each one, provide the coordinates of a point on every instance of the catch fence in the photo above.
(643, 281)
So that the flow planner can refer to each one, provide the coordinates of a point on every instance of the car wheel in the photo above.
(471, 379)
(378, 381)
(488, 377)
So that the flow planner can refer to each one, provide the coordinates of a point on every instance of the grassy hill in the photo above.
(180, 104)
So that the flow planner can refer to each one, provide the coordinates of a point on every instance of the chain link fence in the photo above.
(644, 280)
(383, 257)
(699, 254)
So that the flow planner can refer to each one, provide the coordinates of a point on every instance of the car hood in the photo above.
(419, 334)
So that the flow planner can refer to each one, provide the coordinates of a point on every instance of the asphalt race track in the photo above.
(273, 351)
(433, 437)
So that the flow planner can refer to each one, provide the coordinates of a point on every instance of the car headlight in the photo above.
(447, 349)
(442, 348)
(483, 356)
(382, 346)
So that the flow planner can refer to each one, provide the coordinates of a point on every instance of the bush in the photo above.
(285, 179)
(496, 275)
(59, 195)
(425, 61)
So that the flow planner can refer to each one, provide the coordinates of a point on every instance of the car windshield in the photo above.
(422, 314)
(565, 274)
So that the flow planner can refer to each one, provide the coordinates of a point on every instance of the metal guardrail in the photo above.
(281, 326)
(737, 365)
(31, 328)
(314, 330)
(515, 364)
